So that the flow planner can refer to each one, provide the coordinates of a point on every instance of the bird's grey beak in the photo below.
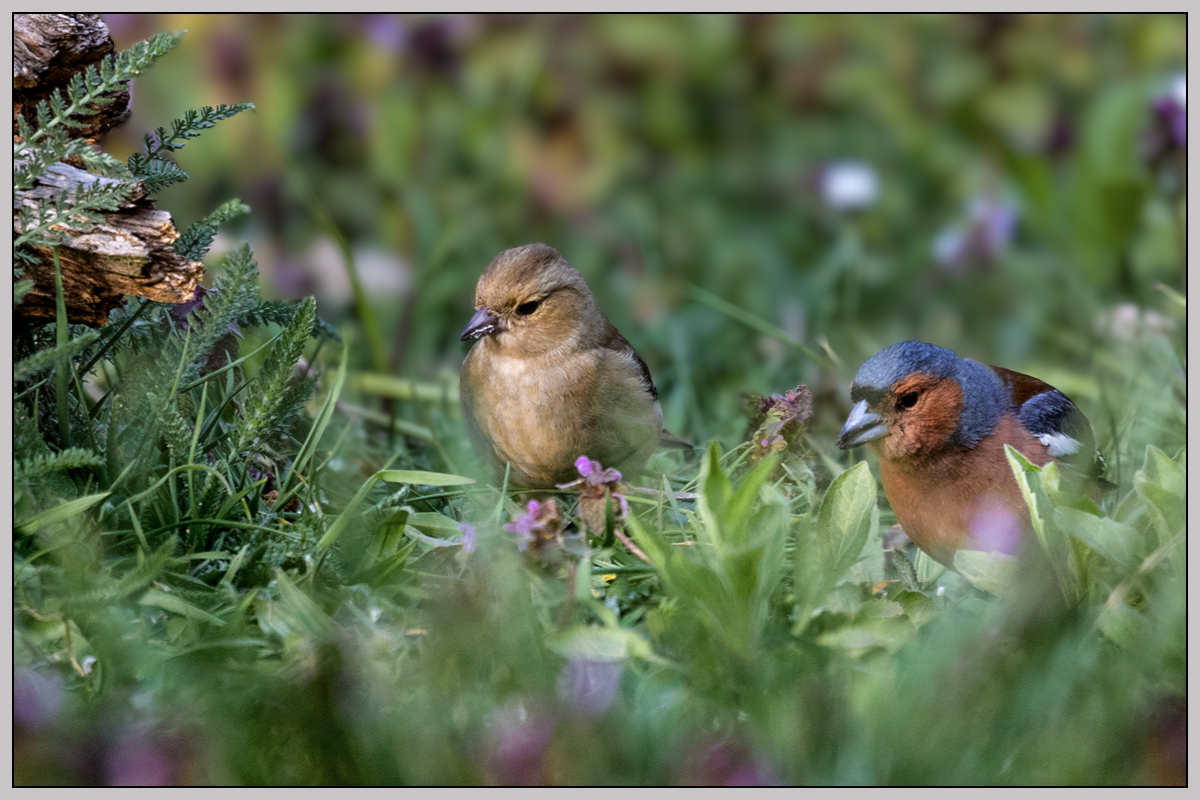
(483, 323)
(861, 427)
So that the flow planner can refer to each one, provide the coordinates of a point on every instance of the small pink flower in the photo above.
(468, 536)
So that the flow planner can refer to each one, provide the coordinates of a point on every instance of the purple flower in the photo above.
(386, 31)
(468, 536)
(989, 228)
(541, 523)
(727, 764)
(518, 747)
(778, 420)
(148, 756)
(589, 686)
(181, 312)
(995, 527)
(594, 473)
(36, 697)
(1167, 137)
(1171, 112)
(595, 485)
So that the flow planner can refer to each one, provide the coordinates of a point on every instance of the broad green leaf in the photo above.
(422, 478)
(1052, 540)
(1162, 485)
(991, 572)
(859, 638)
(1121, 624)
(1109, 538)
(602, 644)
(846, 519)
(177, 605)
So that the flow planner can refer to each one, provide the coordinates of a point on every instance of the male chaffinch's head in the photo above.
(531, 301)
(913, 399)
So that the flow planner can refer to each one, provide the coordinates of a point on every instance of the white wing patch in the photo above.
(1059, 444)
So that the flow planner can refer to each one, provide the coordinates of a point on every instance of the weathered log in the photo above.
(129, 252)
(47, 50)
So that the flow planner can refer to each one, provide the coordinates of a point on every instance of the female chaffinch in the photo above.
(939, 423)
(550, 379)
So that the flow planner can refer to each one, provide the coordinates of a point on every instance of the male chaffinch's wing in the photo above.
(1057, 423)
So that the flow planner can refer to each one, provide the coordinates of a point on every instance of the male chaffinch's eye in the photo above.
(907, 400)
(525, 309)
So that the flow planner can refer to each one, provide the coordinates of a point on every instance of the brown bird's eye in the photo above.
(525, 309)
(907, 400)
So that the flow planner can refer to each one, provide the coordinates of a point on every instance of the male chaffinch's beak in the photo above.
(861, 427)
(483, 323)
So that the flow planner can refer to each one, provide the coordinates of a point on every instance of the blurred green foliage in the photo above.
(1024, 212)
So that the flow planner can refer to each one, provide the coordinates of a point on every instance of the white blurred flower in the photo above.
(1126, 324)
(849, 185)
(1178, 91)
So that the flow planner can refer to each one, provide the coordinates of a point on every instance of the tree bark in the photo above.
(47, 50)
(129, 251)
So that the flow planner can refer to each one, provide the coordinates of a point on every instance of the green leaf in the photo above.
(1053, 541)
(991, 572)
(1111, 539)
(434, 524)
(595, 643)
(1123, 625)
(847, 517)
(299, 612)
(1162, 485)
(422, 478)
(177, 605)
(59, 513)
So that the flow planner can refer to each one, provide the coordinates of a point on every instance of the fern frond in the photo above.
(20, 289)
(97, 85)
(160, 173)
(71, 458)
(276, 312)
(194, 121)
(44, 359)
(196, 240)
(268, 407)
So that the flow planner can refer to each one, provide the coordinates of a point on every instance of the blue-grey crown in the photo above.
(984, 395)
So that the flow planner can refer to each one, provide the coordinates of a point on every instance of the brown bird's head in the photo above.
(530, 301)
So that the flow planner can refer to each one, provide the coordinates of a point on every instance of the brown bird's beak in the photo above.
(483, 323)
(861, 427)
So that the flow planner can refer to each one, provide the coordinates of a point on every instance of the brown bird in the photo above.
(939, 424)
(550, 379)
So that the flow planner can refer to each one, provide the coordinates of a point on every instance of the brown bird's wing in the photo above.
(1057, 423)
(666, 439)
(620, 344)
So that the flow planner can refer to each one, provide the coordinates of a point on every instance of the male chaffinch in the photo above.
(939, 424)
(550, 379)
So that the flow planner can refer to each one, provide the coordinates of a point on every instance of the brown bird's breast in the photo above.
(541, 414)
(964, 499)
